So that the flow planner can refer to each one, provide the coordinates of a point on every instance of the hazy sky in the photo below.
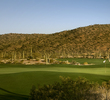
(50, 16)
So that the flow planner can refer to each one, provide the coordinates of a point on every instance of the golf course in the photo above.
(16, 80)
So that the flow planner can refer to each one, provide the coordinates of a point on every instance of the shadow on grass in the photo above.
(105, 80)
(12, 96)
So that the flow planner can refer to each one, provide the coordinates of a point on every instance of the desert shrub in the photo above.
(56, 62)
(29, 57)
(106, 88)
(39, 63)
(37, 55)
(73, 62)
(16, 62)
(105, 57)
(68, 89)
(1, 62)
(62, 62)
(21, 61)
(85, 63)
(51, 60)
(67, 62)
(43, 60)
(37, 59)
(77, 63)
(53, 56)
(8, 62)
(106, 85)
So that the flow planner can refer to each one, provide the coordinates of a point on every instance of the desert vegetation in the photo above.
(86, 42)
(68, 89)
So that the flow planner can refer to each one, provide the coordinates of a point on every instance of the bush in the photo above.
(85, 63)
(37, 59)
(21, 61)
(56, 62)
(62, 62)
(16, 62)
(2, 62)
(106, 85)
(68, 89)
(9, 62)
(39, 63)
(51, 60)
(29, 57)
(73, 62)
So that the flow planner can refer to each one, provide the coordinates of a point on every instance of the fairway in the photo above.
(97, 71)
(17, 80)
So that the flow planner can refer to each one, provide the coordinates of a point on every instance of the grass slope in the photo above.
(17, 80)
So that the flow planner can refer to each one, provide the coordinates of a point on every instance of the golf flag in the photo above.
(104, 61)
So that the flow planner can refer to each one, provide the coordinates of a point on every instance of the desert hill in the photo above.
(93, 38)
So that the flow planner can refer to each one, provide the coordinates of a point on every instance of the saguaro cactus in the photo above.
(47, 58)
(19, 55)
(31, 51)
(12, 56)
(108, 57)
(15, 55)
(23, 54)
(2, 54)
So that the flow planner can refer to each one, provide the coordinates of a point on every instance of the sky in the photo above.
(51, 16)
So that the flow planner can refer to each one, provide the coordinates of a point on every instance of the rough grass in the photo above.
(17, 80)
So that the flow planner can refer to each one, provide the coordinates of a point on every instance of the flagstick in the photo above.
(105, 65)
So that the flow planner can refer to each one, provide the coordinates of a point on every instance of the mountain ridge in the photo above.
(91, 38)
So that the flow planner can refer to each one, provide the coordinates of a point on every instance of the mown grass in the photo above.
(17, 85)
(21, 83)
(82, 60)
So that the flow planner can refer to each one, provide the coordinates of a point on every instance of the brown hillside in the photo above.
(84, 39)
